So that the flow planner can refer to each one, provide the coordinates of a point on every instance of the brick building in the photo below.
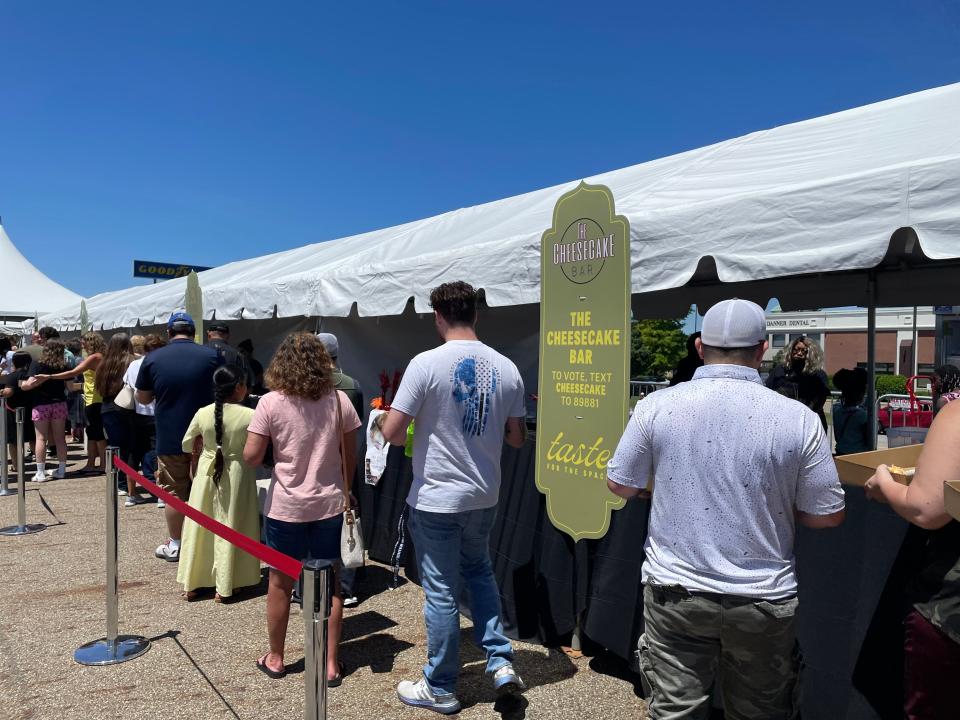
(842, 333)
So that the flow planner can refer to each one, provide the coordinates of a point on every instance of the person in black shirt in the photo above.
(245, 348)
(801, 376)
(14, 397)
(49, 407)
(218, 338)
(688, 365)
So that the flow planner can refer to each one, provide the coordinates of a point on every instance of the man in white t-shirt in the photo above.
(732, 467)
(467, 400)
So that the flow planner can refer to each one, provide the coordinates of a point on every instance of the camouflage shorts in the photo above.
(693, 644)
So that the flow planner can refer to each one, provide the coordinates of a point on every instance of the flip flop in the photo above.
(272, 674)
(338, 680)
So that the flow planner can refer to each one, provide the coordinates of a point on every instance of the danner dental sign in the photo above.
(584, 358)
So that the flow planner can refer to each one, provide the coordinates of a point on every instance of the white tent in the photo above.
(24, 290)
(819, 196)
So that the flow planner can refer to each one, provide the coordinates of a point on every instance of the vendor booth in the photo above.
(857, 208)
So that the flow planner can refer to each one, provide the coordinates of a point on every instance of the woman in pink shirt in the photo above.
(305, 501)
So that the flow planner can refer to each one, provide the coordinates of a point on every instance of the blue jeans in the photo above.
(453, 553)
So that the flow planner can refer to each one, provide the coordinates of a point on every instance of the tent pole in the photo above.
(916, 350)
(872, 354)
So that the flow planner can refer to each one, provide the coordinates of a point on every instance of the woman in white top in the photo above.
(144, 455)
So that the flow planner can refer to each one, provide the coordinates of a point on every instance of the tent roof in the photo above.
(26, 290)
(876, 186)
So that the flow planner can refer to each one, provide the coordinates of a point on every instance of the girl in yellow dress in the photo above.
(224, 487)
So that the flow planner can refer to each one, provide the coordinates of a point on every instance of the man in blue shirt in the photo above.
(179, 376)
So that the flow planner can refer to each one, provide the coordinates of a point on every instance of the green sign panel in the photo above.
(584, 358)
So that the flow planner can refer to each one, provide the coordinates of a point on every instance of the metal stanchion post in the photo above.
(21, 528)
(316, 585)
(4, 480)
(113, 648)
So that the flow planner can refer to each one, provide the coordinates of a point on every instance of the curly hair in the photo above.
(301, 367)
(93, 342)
(456, 302)
(54, 355)
(814, 354)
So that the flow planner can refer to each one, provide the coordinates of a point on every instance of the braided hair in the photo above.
(226, 378)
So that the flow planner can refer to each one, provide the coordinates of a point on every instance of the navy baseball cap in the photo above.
(180, 318)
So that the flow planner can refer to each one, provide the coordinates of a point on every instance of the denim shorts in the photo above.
(316, 540)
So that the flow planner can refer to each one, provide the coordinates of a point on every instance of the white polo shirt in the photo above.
(730, 462)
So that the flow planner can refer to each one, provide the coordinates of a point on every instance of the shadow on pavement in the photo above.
(174, 635)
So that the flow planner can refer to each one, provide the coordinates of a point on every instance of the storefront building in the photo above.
(842, 333)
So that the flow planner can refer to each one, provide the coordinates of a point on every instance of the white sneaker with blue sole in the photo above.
(507, 682)
(418, 694)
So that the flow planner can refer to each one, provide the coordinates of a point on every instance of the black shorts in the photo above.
(94, 422)
(29, 435)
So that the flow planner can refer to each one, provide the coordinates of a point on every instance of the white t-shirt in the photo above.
(130, 378)
(730, 462)
(461, 395)
(6, 363)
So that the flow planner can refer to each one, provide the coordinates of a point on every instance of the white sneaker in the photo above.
(507, 682)
(161, 504)
(39, 477)
(351, 601)
(59, 473)
(418, 694)
(168, 552)
(134, 500)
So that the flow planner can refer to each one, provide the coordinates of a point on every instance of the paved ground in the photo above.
(201, 663)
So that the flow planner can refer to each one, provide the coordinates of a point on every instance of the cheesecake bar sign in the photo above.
(584, 358)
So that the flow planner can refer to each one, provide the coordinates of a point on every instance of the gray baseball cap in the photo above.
(734, 323)
(329, 341)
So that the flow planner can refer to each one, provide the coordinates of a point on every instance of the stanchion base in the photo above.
(8, 491)
(22, 529)
(104, 652)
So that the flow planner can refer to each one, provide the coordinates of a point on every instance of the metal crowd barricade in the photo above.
(642, 388)
(113, 648)
(316, 582)
(317, 585)
(21, 528)
(912, 428)
(4, 459)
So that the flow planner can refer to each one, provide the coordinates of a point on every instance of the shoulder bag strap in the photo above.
(343, 457)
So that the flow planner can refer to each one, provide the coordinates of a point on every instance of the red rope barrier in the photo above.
(274, 558)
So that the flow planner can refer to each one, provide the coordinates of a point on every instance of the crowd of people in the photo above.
(731, 466)
(199, 421)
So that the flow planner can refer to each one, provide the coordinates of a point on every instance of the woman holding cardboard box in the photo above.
(932, 627)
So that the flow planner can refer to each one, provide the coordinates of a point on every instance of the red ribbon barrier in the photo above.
(274, 558)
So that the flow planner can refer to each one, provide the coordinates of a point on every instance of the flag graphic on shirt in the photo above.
(474, 383)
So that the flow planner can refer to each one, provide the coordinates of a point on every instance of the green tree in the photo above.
(656, 346)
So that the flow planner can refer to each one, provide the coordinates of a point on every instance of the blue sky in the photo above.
(208, 132)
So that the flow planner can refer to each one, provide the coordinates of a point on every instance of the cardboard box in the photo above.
(951, 498)
(856, 469)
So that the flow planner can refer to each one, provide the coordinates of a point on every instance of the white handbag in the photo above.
(125, 399)
(351, 536)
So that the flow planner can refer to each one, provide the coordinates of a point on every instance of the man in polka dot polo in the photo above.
(731, 468)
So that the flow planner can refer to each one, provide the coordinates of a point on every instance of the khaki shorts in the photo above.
(173, 474)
